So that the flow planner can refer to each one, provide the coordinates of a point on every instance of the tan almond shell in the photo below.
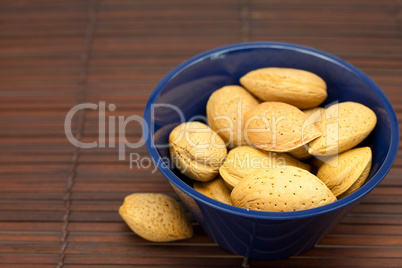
(244, 160)
(345, 125)
(196, 150)
(279, 190)
(156, 217)
(358, 183)
(317, 161)
(278, 127)
(215, 189)
(345, 173)
(313, 116)
(300, 153)
(300, 88)
(225, 110)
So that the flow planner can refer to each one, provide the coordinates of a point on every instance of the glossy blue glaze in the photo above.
(256, 234)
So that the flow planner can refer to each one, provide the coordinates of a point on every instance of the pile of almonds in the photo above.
(285, 152)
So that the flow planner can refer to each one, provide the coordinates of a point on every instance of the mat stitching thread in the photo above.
(244, 21)
(81, 97)
(245, 36)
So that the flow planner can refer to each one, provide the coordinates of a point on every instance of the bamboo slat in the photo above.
(58, 203)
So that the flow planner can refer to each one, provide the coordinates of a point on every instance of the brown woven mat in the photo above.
(58, 203)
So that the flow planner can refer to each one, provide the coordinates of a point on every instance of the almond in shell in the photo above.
(300, 88)
(244, 160)
(156, 217)
(196, 150)
(215, 189)
(346, 172)
(313, 116)
(345, 125)
(278, 127)
(225, 110)
(279, 190)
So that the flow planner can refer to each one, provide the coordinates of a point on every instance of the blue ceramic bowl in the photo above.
(257, 234)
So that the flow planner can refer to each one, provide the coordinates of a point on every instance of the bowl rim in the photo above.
(351, 199)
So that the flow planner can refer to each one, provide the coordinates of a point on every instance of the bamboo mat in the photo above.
(58, 203)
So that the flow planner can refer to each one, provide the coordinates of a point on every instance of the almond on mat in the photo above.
(156, 217)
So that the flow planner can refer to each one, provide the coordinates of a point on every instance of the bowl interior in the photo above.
(188, 87)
